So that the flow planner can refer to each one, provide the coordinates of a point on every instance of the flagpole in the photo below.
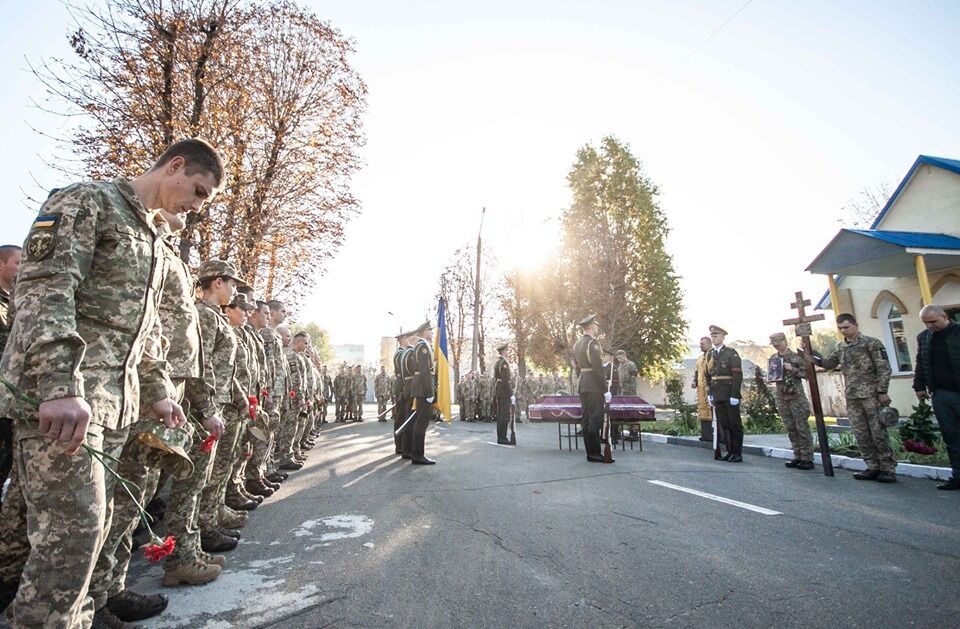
(476, 299)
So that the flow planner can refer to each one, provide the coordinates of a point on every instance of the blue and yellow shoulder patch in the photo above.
(46, 221)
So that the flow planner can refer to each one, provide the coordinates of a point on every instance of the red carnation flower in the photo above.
(158, 549)
(293, 394)
(253, 406)
(265, 392)
(207, 444)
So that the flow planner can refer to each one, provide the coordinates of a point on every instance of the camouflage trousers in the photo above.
(467, 412)
(141, 465)
(486, 408)
(61, 503)
(228, 446)
(864, 415)
(257, 466)
(183, 505)
(288, 444)
(795, 412)
(382, 407)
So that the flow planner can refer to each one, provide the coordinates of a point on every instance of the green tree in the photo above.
(616, 263)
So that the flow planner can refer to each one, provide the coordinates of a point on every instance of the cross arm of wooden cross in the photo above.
(804, 319)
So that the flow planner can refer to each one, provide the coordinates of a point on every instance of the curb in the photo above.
(842, 462)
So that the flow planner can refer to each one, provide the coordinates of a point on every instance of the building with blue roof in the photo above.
(909, 257)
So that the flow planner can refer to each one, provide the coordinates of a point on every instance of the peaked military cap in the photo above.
(607, 352)
(588, 320)
(716, 329)
(218, 268)
(423, 328)
(240, 301)
(503, 347)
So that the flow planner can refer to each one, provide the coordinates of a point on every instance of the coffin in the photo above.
(566, 408)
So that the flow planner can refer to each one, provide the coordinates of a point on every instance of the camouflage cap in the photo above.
(778, 336)
(210, 269)
(620, 352)
(240, 301)
(716, 329)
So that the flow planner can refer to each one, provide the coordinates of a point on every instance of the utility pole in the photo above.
(476, 298)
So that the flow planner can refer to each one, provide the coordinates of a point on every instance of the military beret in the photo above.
(716, 329)
(503, 347)
(423, 328)
(240, 301)
(210, 269)
(588, 320)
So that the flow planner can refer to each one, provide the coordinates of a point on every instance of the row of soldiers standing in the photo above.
(350, 390)
(109, 339)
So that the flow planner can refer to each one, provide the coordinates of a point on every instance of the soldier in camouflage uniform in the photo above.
(792, 401)
(866, 374)
(296, 406)
(280, 398)
(9, 263)
(627, 370)
(141, 464)
(327, 393)
(360, 382)
(487, 389)
(546, 385)
(255, 479)
(340, 394)
(381, 389)
(78, 311)
(533, 390)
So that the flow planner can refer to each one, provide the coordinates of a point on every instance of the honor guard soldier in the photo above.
(593, 389)
(423, 391)
(724, 378)
(504, 394)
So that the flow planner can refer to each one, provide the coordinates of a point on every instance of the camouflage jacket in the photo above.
(627, 370)
(295, 382)
(219, 352)
(381, 385)
(179, 319)
(273, 348)
(87, 296)
(358, 383)
(260, 359)
(243, 375)
(5, 318)
(792, 384)
(865, 366)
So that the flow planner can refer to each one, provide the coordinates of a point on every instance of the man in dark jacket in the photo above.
(503, 393)
(937, 376)
(593, 389)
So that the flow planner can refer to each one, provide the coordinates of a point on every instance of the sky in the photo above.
(758, 121)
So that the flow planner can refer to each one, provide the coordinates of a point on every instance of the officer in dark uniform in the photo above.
(503, 394)
(398, 397)
(408, 366)
(423, 392)
(724, 378)
(588, 360)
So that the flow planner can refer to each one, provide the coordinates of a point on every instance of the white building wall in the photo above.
(929, 203)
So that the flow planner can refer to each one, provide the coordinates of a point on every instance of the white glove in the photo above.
(607, 397)
(430, 400)
(513, 399)
(710, 399)
(734, 402)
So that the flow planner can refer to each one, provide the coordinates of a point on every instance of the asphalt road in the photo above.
(531, 536)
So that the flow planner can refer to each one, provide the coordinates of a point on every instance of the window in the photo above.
(896, 339)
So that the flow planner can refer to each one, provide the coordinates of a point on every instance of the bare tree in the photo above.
(861, 211)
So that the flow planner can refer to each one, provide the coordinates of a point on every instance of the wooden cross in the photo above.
(803, 330)
(799, 306)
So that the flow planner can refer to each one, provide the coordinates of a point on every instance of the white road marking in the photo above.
(728, 501)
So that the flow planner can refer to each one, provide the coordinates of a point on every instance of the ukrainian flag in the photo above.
(443, 400)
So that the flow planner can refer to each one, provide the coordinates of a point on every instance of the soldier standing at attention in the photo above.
(704, 409)
(9, 263)
(327, 393)
(360, 392)
(87, 293)
(792, 402)
(593, 389)
(504, 393)
(339, 393)
(627, 371)
(422, 390)
(724, 379)
(381, 388)
(866, 373)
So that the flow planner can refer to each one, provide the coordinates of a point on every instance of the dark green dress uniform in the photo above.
(589, 368)
(422, 389)
(398, 397)
(502, 392)
(409, 363)
(724, 379)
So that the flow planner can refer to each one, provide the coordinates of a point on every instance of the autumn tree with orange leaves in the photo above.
(268, 83)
